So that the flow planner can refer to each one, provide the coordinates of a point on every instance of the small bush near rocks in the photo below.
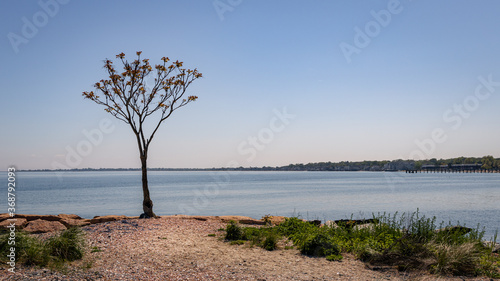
(319, 245)
(270, 242)
(234, 232)
(66, 246)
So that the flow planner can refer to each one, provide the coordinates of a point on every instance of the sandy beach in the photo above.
(180, 248)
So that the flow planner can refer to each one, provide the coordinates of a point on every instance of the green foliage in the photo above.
(408, 242)
(270, 242)
(67, 246)
(319, 245)
(461, 259)
(265, 237)
(334, 258)
(31, 251)
(234, 232)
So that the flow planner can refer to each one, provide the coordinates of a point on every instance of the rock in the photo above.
(101, 219)
(41, 226)
(460, 230)
(39, 217)
(495, 247)
(187, 217)
(274, 220)
(331, 224)
(369, 226)
(240, 219)
(20, 223)
(351, 223)
(144, 216)
(70, 216)
(4, 216)
(74, 222)
(315, 222)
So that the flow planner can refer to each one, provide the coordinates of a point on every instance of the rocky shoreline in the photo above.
(50, 223)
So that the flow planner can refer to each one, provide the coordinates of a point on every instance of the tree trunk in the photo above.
(147, 204)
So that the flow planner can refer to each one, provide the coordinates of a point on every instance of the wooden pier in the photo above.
(454, 168)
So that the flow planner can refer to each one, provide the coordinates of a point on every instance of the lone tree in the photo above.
(126, 96)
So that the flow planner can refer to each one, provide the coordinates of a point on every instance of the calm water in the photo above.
(468, 198)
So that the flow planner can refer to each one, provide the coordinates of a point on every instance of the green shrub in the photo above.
(234, 232)
(319, 245)
(69, 245)
(292, 226)
(270, 242)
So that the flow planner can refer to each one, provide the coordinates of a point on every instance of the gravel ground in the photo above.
(179, 248)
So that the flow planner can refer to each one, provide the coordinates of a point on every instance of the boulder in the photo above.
(315, 222)
(74, 222)
(240, 219)
(4, 216)
(369, 226)
(495, 247)
(20, 223)
(188, 217)
(101, 219)
(331, 224)
(69, 216)
(352, 223)
(274, 220)
(41, 226)
(455, 230)
(39, 217)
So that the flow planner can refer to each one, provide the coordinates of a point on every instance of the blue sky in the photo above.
(278, 87)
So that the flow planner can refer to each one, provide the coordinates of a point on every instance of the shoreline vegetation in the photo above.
(485, 163)
(385, 247)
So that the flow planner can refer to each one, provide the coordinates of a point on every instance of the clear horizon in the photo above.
(283, 82)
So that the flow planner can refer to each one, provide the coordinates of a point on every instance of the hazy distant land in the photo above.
(485, 163)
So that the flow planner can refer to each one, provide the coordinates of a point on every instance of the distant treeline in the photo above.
(486, 162)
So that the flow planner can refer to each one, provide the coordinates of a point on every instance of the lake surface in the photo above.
(467, 198)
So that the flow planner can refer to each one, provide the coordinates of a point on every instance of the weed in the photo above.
(234, 232)
(68, 245)
(334, 258)
(319, 245)
(270, 242)
(455, 259)
(95, 249)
